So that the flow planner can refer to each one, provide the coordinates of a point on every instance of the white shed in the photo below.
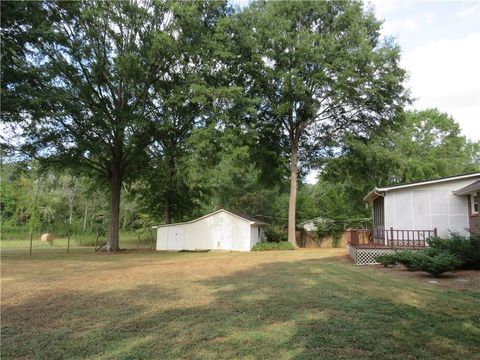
(220, 230)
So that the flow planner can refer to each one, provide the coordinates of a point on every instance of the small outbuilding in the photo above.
(220, 230)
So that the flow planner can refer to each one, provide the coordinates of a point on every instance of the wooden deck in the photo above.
(389, 239)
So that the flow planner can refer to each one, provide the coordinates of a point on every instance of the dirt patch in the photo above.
(466, 280)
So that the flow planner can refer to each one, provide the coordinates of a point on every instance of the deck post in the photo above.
(391, 235)
(435, 232)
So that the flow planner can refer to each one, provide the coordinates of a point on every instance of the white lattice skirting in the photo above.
(367, 256)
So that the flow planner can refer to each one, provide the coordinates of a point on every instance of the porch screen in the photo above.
(378, 217)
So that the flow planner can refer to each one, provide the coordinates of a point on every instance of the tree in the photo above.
(101, 64)
(185, 101)
(319, 70)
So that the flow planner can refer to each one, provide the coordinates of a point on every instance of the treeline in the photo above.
(424, 145)
(180, 108)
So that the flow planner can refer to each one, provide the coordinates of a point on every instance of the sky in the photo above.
(440, 42)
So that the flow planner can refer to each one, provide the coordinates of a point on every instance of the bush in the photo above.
(331, 228)
(408, 259)
(275, 235)
(432, 261)
(467, 249)
(437, 263)
(267, 246)
(387, 260)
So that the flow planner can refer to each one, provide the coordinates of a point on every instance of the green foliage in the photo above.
(173, 101)
(275, 235)
(408, 259)
(268, 246)
(437, 263)
(320, 60)
(387, 260)
(466, 248)
(432, 261)
(334, 229)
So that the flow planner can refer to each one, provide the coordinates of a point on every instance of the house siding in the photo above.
(427, 207)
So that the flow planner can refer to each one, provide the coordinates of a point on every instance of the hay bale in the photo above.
(47, 237)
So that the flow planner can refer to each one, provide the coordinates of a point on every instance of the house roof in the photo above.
(250, 219)
(376, 192)
(473, 187)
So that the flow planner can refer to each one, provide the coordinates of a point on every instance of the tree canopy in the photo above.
(320, 71)
(181, 108)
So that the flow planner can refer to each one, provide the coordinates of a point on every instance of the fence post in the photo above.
(138, 241)
(96, 242)
(31, 242)
(68, 243)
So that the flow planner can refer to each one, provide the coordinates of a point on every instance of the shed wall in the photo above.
(221, 231)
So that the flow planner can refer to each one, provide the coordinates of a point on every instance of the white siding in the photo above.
(427, 207)
(254, 237)
(220, 231)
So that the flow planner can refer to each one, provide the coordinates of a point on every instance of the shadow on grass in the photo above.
(308, 309)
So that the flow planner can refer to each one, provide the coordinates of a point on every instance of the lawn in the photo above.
(305, 304)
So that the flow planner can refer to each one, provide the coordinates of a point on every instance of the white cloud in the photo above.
(241, 3)
(382, 7)
(470, 11)
(430, 18)
(445, 74)
(394, 27)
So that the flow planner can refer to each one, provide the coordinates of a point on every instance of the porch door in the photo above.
(379, 218)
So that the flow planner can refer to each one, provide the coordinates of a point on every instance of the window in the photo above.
(474, 207)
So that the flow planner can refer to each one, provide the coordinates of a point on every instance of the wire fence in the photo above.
(23, 242)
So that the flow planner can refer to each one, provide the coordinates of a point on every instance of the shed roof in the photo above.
(250, 219)
(372, 195)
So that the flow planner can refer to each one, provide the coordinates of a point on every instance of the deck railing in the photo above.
(390, 237)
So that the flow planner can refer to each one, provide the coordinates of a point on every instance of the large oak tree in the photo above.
(319, 70)
(104, 67)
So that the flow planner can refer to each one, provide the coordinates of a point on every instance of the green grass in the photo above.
(259, 305)
(21, 241)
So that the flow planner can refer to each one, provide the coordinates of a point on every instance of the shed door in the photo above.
(222, 237)
(176, 238)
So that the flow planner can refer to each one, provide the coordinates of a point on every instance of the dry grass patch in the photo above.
(302, 304)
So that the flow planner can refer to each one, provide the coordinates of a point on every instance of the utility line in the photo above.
(303, 220)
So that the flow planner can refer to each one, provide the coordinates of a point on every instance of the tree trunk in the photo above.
(92, 220)
(168, 209)
(170, 188)
(71, 199)
(114, 218)
(292, 203)
(85, 216)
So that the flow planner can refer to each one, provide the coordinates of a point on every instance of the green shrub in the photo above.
(432, 261)
(467, 249)
(387, 260)
(267, 246)
(331, 228)
(275, 235)
(437, 263)
(408, 259)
